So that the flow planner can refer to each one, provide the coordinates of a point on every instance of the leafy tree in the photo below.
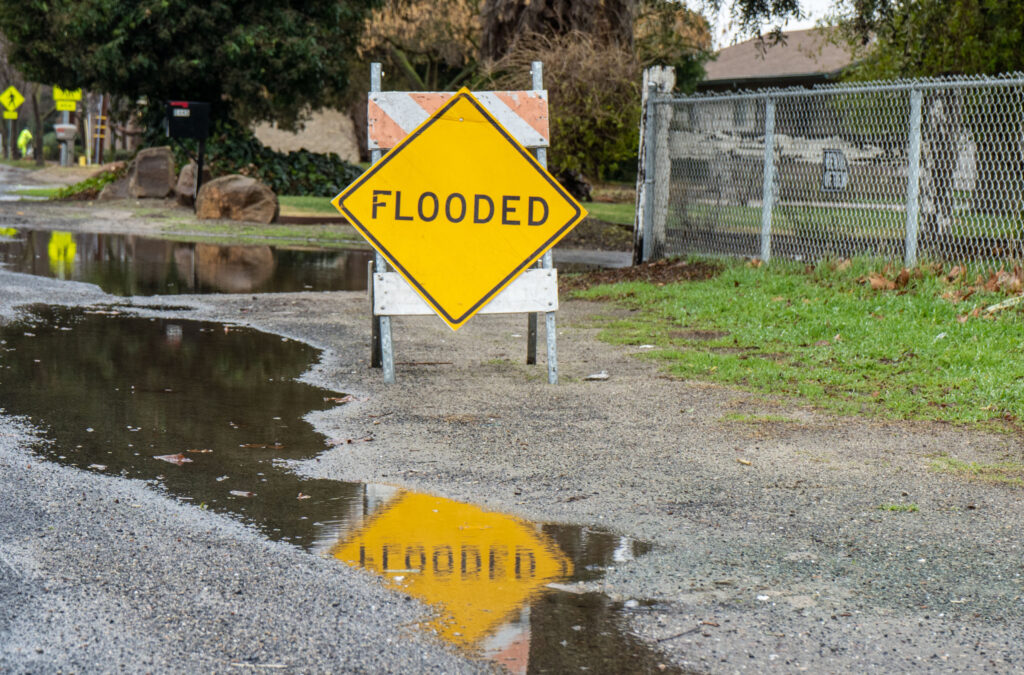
(912, 38)
(922, 38)
(424, 45)
(669, 34)
(505, 21)
(593, 78)
(252, 59)
(38, 102)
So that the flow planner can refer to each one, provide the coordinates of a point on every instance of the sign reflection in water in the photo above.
(481, 568)
(134, 265)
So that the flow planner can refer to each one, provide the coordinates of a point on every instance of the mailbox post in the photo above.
(190, 119)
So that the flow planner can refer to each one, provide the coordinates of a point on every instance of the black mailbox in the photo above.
(188, 119)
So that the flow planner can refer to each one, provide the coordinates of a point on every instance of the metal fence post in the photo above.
(913, 178)
(768, 188)
(650, 175)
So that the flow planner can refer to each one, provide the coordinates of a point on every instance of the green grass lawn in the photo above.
(824, 336)
(47, 192)
(621, 214)
(20, 163)
(857, 220)
(297, 206)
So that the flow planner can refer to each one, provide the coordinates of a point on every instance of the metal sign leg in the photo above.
(386, 352)
(531, 338)
(549, 329)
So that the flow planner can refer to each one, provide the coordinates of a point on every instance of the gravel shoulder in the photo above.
(771, 550)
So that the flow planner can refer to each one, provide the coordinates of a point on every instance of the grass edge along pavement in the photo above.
(854, 337)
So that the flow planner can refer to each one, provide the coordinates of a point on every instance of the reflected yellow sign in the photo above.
(61, 251)
(459, 208)
(479, 566)
(8, 232)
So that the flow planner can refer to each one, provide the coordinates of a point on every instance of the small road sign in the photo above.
(11, 99)
(459, 208)
(66, 99)
(67, 94)
(835, 174)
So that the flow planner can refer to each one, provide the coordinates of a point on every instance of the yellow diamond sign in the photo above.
(459, 208)
(11, 99)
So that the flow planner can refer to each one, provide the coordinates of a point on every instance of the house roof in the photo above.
(805, 53)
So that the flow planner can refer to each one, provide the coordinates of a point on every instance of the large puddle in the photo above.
(203, 410)
(134, 265)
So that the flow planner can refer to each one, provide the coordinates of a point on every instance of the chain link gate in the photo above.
(900, 170)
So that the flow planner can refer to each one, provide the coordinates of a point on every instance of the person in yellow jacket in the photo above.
(24, 142)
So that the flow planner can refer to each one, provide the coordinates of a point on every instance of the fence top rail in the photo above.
(875, 86)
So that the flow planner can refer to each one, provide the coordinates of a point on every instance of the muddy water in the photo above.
(203, 410)
(134, 265)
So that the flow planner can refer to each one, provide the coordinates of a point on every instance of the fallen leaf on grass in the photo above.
(880, 283)
(178, 459)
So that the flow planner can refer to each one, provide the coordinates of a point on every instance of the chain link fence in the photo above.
(900, 170)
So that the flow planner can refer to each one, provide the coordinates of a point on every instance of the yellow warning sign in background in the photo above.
(459, 208)
(11, 98)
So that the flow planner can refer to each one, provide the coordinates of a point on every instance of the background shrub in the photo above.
(593, 97)
(232, 149)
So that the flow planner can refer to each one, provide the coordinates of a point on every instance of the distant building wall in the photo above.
(327, 131)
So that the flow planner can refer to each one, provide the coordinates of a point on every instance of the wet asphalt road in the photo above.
(781, 563)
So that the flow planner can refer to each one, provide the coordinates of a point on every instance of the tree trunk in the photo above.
(37, 125)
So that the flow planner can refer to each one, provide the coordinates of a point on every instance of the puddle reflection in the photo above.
(205, 411)
(481, 567)
(134, 265)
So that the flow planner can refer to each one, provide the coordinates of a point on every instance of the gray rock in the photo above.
(185, 190)
(237, 198)
(116, 190)
(152, 173)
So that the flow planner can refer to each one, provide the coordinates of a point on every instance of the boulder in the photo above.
(115, 190)
(151, 173)
(237, 198)
(233, 269)
(185, 190)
